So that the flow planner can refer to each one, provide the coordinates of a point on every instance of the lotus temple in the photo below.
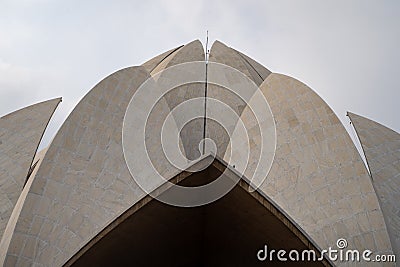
(197, 157)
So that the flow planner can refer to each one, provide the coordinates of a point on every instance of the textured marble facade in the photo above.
(317, 177)
(381, 146)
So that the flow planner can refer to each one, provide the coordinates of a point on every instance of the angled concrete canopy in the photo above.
(20, 135)
(313, 183)
(250, 217)
(381, 146)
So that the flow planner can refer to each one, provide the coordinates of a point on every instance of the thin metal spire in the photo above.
(207, 51)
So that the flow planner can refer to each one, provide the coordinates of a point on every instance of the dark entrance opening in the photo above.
(227, 232)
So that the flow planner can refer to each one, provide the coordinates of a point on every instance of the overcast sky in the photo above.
(347, 51)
